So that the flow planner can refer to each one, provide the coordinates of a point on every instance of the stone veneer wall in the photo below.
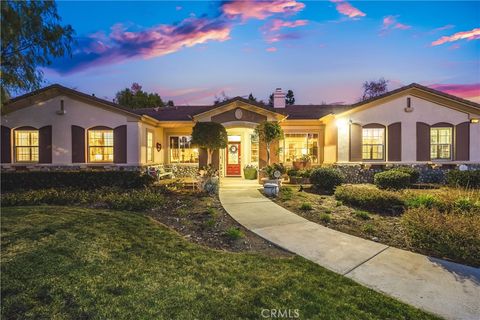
(428, 173)
(179, 170)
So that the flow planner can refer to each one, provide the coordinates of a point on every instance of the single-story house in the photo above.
(60, 128)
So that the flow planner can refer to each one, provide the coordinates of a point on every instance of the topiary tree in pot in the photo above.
(210, 136)
(269, 132)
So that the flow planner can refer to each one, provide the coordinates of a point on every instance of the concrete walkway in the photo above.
(447, 289)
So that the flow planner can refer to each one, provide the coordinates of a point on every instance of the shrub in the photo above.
(368, 228)
(464, 179)
(392, 179)
(270, 170)
(326, 179)
(286, 193)
(292, 172)
(451, 235)
(306, 206)
(86, 180)
(412, 172)
(325, 217)
(136, 200)
(423, 200)
(234, 233)
(370, 198)
(362, 215)
(305, 173)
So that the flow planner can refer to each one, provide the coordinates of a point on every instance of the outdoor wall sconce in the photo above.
(474, 120)
(159, 146)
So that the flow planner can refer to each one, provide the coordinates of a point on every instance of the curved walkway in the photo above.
(447, 289)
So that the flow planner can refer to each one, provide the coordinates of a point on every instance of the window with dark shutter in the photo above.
(355, 142)
(6, 148)
(394, 144)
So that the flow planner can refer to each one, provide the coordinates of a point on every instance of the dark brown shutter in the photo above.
(423, 142)
(120, 144)
(6, 145)
(355, 142)
(78, 144)
(394, 143)
(45, 144)
(462, 141)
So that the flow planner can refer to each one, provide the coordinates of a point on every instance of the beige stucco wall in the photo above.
(158, 135)
(393, 111)
(77, 113)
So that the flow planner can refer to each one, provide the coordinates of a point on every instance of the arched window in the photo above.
(373, 142)
(441, 141)
(100, 144)
(26, 144)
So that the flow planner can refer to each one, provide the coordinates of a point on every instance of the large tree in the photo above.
(269, 132)
(135, 98)
(210, 136)
(290, 98)
(374, 88)
(32, 36)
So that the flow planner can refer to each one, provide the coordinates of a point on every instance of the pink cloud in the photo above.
(251, 9)
(390, 22)
(277, 24)
(445, 27)
(121, 44)
(271, 49)
(467, 91)
(347, 9)
(473, 34)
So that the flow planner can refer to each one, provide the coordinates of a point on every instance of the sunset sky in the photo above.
(323, 50)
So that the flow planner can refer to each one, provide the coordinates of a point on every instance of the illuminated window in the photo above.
(149, 146)
(440, 143)
(373, 143)
(182, 151)
(296, 145)
(26, 145)
(253, 148)
(100, 145)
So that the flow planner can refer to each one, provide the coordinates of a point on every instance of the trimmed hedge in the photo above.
(326, 179)
(370, 198)
(85, 180)
(451, 235)
(117, 199)
(392, 179)
(412, 172)
(464, 179)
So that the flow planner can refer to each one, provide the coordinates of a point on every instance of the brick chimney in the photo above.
(278, 98)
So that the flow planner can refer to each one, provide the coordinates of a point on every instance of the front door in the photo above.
(233, 159)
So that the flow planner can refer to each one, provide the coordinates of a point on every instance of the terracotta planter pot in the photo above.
(298, 165)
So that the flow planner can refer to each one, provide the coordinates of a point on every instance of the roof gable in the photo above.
(417, 90)
(56, 90)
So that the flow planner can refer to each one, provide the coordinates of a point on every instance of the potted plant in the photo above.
(273, 174)
(250, 172)
(303, 162)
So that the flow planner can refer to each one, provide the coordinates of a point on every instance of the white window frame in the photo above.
(30, 146)
(170, 150)
(384, 147)
(150, 149)
(306, 133)
(438, 144)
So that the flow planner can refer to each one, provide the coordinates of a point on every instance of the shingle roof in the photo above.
(295, 112)
(186, 113)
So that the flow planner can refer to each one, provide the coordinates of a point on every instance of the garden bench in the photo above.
(159, 173)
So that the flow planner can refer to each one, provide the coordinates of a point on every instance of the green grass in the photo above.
(234, 233)
(306, 206)
(75, 263)
(363, 215)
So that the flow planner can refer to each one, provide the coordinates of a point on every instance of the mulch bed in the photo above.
(201, 219)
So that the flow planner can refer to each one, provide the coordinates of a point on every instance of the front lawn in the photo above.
(442, 222)
(80, 263)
